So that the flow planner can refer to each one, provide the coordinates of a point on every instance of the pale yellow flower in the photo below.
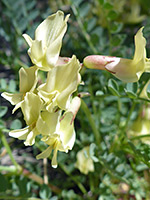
(45, 48)
(134, 15)
(31, 108)
(28, 81)
(141, 126)
(62, 81)
(58, 130)
(84, 162)
(127, 70)
(59, 134)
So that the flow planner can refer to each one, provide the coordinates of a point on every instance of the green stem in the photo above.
(5, 143)
(91, 181)
(143, 99)
(130, 113)
(87, 112)
(92, 99)
(79, 184)
(112, 172)
(142, 87)
(86, 35)
(11, 169)
(139, 136)
(119, 111)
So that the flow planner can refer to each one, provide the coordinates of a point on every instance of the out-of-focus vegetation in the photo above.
(118, 112)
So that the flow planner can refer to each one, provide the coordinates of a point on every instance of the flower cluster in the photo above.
(49, 108)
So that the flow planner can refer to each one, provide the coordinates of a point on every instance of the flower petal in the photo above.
(36, 52)
(123, 69)
(31, 108)
(18, 105)
(64, 85)
(51, 28)
(12, 98)
(20, 133)
(50, 32)
(28, 79)
(28, 39)
(84, 162)
(44, 154)
(30, 139)
(140, 43)
(54, 158)
(47, 122)
(67, 132)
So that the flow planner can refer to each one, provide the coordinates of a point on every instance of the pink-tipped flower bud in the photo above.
(97, 61)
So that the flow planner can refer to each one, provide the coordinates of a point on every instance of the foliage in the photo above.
(106, 116)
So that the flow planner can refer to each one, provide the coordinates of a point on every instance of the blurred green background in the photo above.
(121, 159)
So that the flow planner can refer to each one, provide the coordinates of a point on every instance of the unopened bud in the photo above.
(97, 61)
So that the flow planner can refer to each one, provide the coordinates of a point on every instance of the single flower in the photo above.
(45, 48)
(141, 126)
(62, 81)
(31, 108)
(59, 133)
(127, 70)
(84, 162)
(28, 81)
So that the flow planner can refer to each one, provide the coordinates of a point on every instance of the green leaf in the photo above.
(120, 168)
(132, 87)
(141, 167)
(117, 39)
(22, 186)
(3, 110)
(112, 15)
(76, 3)
(131, 95)
(84, 9)
(92, 152)
(30, 5)
(92, 149)
(113, 87)
(91, 24)
(54, 198)
(16, 124)
(4, 184)
(101, 2)
(2, 125)
(99, 93)
(140, 155)
(115, 27)
(131, 90)
(45, 192)
(12, 86)
(148, 90)
(108, 6)
(3, 84)
(33, 15)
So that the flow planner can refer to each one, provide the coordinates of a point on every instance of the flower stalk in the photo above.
(6, 145)
(88, 114)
